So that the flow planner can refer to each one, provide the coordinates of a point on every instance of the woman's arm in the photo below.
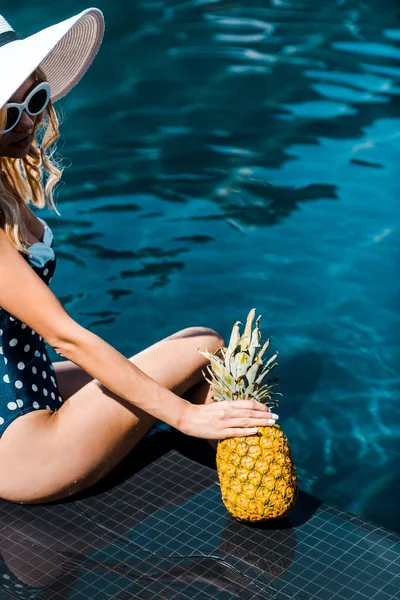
(110, 368)
(214, 421)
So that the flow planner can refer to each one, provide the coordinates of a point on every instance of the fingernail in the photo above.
(271, 421)
(275, 416)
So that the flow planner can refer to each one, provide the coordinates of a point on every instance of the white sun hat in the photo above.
(64, 51)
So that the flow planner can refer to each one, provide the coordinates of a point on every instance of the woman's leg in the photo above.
(46, 456)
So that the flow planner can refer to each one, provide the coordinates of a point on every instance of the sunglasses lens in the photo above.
(12, 117)
(38, 102)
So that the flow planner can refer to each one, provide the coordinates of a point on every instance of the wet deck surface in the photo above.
(156, 528)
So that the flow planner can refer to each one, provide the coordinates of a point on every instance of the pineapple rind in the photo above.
(257, 475)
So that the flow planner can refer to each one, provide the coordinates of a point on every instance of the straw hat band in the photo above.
(7, 33)
(7, 37)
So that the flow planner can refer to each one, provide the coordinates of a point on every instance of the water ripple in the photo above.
(373, 49)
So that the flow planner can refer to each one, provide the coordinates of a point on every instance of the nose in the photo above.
(25, 123)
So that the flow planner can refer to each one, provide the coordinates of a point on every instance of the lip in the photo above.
(22, 142)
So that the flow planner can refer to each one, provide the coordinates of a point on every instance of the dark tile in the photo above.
(322, 580)
(361, 563)
(325, 560)
(344, 545)
(383, 596)
(374, 570)
(296, 569)
(393, 568)
(336, 552)
(345, 594)
(330, 573)
(392, 589)
(311, 588)
(323, 594)
(353, 537)
(340, 565)
(343, 578)
(314, 554)
(379, 581)
(354, 585)
(353, 595)
(363, 576)
(324, 547)
(351, 570)
(299, 582)
(304, 561)
(392, 556)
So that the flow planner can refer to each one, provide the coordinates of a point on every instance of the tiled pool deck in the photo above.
(158, 529)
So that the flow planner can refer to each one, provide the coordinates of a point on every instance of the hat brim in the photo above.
(64, 51)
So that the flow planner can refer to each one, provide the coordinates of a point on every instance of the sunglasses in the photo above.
(34, 104)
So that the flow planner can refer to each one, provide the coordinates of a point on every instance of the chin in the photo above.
(15, 152)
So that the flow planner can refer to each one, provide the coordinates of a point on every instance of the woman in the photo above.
(64, 426)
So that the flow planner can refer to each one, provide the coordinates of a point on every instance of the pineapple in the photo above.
(256, 473)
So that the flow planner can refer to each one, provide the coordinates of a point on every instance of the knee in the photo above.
(213, 336)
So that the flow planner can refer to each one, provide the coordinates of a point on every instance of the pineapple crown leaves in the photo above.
(241, 371)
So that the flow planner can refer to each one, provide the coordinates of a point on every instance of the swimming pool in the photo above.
(226, 156)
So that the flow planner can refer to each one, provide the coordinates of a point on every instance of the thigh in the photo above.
(70, 377)
(53, 455)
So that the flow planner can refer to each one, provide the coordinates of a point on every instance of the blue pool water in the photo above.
(229, 155)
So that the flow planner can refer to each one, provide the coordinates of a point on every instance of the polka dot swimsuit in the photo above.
(27, 377)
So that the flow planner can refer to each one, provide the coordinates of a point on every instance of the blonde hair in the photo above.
(22, 179)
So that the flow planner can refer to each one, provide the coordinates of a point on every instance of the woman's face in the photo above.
(24, 126)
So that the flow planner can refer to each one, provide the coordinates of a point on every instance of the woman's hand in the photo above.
(225, 419)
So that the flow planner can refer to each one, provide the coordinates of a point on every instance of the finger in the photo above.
(237, 432)
(257, 422)
(249, 404)
(251, 414)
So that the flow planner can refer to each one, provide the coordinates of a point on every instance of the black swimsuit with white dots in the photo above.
(27, 377)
